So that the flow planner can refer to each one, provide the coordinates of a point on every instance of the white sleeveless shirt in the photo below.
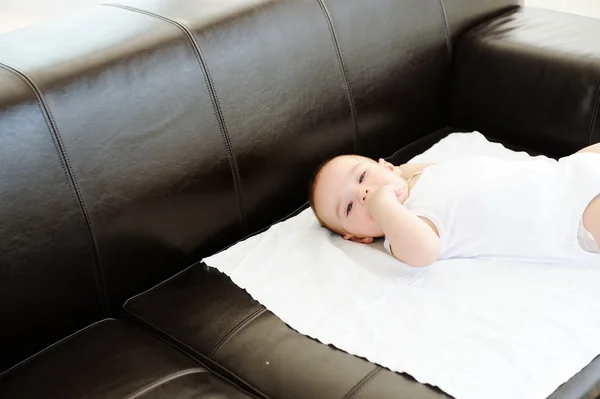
(490, 208)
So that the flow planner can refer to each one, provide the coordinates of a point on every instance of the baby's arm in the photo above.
(591, 216)
(412, 240)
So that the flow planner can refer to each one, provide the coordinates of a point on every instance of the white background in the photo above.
(18, 13)
(590, 8)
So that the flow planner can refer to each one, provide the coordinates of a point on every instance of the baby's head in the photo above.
(340, 188)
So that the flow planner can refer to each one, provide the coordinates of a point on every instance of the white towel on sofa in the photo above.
(476, 329)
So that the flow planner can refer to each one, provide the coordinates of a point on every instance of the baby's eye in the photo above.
(348, 209)
(362, 177)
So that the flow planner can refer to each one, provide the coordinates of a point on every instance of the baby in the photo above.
(483, 207)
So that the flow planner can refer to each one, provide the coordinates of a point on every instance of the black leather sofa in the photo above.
(138, 137)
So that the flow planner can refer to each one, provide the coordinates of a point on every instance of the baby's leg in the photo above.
(591, 219)
(591, 148)
(591, 216)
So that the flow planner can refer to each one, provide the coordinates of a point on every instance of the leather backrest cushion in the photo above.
(116, 174)
(47, 269)
(137, 137)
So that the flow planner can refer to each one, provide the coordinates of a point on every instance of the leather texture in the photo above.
(583, 385)
(136, 179)
(136, 138)
(49, 283)
(113, 359)
(531, 77)
(462, 15)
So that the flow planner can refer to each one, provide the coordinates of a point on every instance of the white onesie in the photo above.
(493, 208)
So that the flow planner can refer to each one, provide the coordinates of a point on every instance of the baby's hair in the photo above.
(311, 194)
(311, 190)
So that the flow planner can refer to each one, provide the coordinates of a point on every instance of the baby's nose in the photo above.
(363, 193)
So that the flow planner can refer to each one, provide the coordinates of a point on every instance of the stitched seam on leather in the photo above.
(214, 99)
(194, 354)
(240, 326)
(362, 383)
(594, 116)
(446, 30)
(343, 70)
(46, 349)
(75, 190)
(181, 344)
(168, 378)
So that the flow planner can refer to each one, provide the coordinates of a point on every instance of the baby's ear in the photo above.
(360, 240)
(386, 164)
(366, 240)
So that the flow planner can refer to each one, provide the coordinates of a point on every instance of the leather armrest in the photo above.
(530, 77)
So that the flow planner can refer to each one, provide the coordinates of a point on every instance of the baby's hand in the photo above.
(383, 196)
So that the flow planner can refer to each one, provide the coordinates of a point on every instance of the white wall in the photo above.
(17, 13)
(591, 8)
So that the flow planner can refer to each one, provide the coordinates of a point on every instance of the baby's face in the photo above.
(342, 188)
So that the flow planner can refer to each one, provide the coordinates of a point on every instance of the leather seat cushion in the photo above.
(113, 359)
(221, 324)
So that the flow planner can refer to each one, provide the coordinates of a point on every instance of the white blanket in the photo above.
(476, 329)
